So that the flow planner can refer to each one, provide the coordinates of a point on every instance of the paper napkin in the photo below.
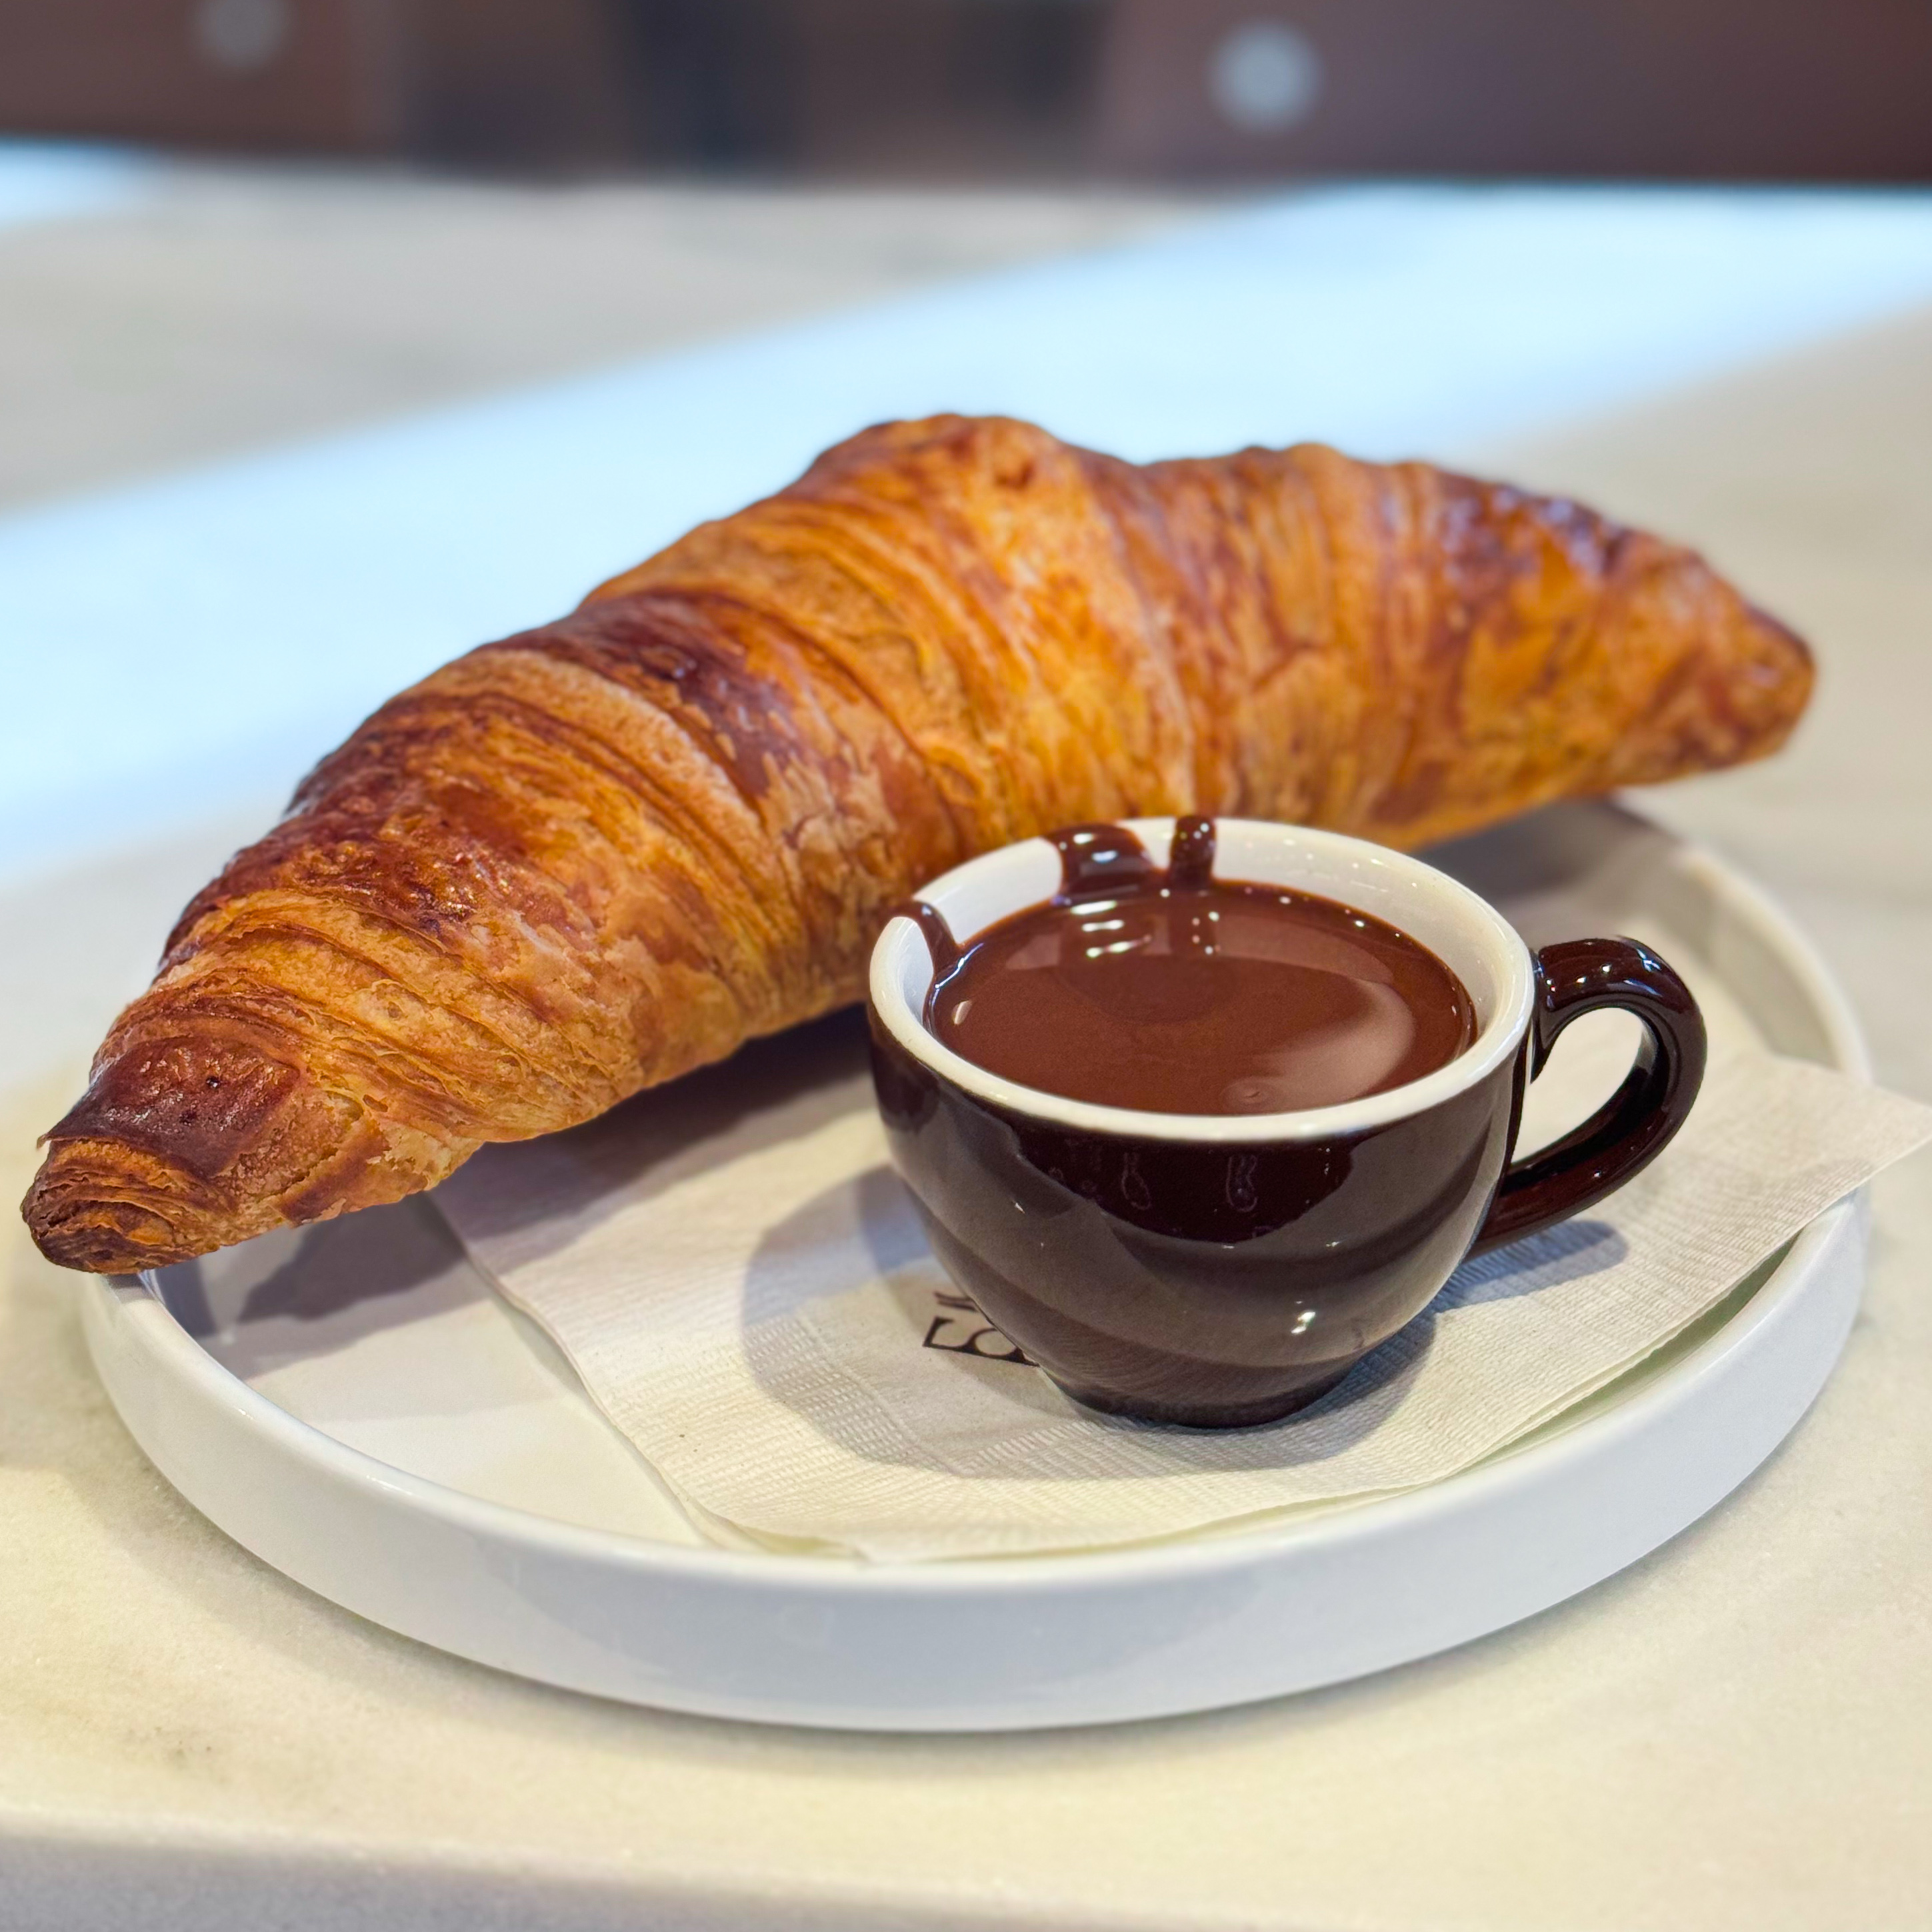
(741, 1281)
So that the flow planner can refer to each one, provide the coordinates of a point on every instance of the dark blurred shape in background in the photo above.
(1769, 89)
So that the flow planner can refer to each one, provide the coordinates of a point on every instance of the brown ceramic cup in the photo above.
(1219, 1270)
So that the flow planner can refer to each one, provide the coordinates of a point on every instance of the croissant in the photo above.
(587, 858)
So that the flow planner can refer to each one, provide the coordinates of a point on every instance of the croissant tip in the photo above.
(1782, 669)
(78, 1226)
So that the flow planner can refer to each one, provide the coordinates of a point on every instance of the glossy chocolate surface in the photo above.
(1173, 992)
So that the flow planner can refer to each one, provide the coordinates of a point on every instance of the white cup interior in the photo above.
(1462, 930)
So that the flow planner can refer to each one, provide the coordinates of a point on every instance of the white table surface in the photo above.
(1736, 1733)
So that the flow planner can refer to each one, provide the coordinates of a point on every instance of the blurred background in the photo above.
(1195, 90)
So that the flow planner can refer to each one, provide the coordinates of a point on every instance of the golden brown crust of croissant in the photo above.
(587, 858)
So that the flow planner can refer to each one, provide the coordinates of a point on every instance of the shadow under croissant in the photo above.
(330, 1285)
(771, 1089)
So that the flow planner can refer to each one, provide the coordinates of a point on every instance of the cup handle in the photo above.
(1636, 1124)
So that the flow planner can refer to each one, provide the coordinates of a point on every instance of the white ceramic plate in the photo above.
(353, 1405)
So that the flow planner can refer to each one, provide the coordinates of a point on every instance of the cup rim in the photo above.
(1495, 1042)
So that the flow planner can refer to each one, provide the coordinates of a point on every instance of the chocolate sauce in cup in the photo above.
(1175, 992)
(1165, 1240)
